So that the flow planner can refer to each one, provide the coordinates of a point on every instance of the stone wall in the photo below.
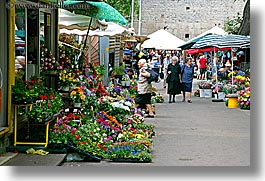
(190, 17)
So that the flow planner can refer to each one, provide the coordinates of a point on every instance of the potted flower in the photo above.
(66, 79)
(77, 95)
(244, 99)
(27, 91)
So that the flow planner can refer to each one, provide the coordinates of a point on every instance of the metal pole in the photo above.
(140, 17)
(132, 13)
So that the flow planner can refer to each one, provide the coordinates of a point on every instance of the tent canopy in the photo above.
(163, 40)
(191, 42)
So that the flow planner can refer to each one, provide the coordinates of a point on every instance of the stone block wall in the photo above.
(191, 17)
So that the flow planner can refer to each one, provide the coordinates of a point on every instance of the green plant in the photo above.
(26, 90)
(119, 70)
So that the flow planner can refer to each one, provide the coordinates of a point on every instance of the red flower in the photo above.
(84, 142)
(79, 143)
(32, 81)
(73, 131)
(51, 96)
(49, 105)
(77, 137)
(29, 86)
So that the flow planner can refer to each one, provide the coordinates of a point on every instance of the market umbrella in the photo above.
(233, 41)
(101, 11)
(209, 40)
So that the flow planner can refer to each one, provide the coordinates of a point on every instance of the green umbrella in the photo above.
(99, 10)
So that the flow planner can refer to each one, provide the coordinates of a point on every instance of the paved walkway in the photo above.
(203, 133)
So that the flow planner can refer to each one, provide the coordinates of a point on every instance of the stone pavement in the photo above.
(203, 133)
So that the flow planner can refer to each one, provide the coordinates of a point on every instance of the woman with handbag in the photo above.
(187, 73)
(173, 79)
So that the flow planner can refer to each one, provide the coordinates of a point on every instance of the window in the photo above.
(187, 8)
(187, 35)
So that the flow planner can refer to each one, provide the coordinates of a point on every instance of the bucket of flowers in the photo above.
(77, 96)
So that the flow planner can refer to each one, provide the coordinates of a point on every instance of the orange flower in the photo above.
(73, 93)
(83, 97)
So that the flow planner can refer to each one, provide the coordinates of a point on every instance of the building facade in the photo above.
(187, 18)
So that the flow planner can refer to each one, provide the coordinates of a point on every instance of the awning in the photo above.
(71, 21)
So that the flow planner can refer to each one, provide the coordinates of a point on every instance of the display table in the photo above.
(46, 124)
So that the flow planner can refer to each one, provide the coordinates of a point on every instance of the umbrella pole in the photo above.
(87, 32)
(232, 61)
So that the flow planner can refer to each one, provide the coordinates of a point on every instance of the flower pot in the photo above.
(127, 83)
(65, 89)
(77, 104)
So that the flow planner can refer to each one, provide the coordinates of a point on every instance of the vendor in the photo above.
(238, 71)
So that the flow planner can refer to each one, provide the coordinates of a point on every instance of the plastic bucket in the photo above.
(232, 102)
(221, 95)
(201, 92)
(207, 93)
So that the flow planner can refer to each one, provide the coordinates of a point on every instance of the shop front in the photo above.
(28, 28)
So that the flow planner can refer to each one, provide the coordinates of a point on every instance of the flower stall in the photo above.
(109, 127)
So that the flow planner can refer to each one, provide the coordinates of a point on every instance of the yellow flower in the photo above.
(73, 93)
(83, 97)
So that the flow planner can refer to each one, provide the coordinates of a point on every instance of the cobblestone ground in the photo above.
(203, 133)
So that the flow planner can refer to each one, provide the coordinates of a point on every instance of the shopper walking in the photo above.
(173, 79)
(203, 66)
(144, 89)
(166, 62)
(187, 72)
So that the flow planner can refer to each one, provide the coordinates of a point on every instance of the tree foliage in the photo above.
(239, 24)
(124, 7)
(232, 25)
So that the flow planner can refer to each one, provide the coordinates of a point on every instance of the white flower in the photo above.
(127, 103)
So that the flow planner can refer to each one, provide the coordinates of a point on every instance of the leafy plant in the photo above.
(27, 90)
(119, 70)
